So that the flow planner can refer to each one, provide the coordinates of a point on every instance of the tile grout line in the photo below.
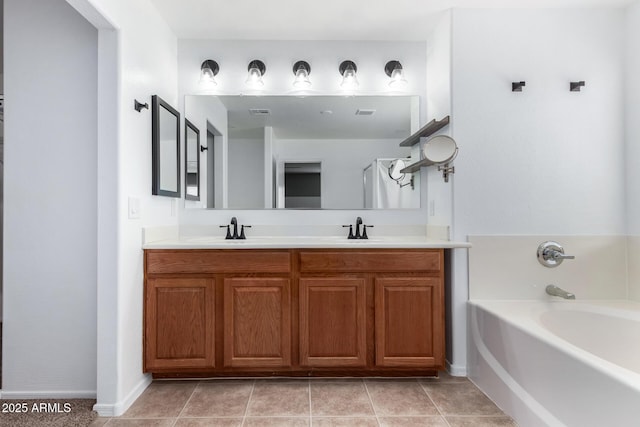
(371, 401)
(186, 403)
(246, 410)
(434, 404)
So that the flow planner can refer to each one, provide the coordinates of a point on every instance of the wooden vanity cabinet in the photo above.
(333, 329)
(216, 309)
(257, 323)
(294, 312)
(178, 323)
(405, 291)
(409, 322)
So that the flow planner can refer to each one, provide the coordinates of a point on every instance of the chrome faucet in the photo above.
(555, 291)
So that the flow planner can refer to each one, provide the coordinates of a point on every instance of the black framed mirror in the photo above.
(191, 161)
(165, 148)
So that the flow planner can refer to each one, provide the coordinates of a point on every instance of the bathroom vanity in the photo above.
(308, 311)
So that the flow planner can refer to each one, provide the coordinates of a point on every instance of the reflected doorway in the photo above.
(302, 185)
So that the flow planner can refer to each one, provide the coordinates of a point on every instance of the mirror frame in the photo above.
(188, 125)
(156, 190)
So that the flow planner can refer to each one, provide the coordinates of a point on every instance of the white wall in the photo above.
(439, 193)
(148, 52)
(50, 238)
(632, 112)
(343, 163)
(438, 81)
(544, 161)
(246, 173)
(1, 147)
(138, 52)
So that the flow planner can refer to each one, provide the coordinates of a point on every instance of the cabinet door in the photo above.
(179, 323)
(257, 329)
(332, 322)
(409, 315)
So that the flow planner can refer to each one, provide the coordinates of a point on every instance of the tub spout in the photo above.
(558, 292)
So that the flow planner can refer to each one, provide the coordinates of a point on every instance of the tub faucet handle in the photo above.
(559, 255)
(551, 254)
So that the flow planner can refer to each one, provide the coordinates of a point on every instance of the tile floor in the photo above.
(443, 402)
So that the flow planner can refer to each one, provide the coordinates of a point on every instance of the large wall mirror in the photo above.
(165, 148)
(313, 152)
(191, 161)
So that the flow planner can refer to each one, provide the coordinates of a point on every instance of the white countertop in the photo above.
(293, 242)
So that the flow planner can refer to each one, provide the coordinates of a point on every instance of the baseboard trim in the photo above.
(52, 394)
(119, 408)
(456, 370)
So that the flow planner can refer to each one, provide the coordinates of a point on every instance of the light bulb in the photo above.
(349, 79)
(255, 78)
(301, 80)
(208, 71)
(207, 78)
(397, 80)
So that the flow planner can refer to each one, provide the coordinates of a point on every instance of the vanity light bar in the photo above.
(301, 70)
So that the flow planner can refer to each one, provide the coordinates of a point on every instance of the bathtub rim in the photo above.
(526, 322)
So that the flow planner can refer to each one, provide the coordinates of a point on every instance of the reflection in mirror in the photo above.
(395, 168)
(165, 143)
(302, 185)
(353, 139)
(192, 161)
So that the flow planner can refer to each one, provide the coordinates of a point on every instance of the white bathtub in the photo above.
(560, 363)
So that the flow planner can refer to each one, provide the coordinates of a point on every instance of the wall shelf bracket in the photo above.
(138, 106)
(575, 86)
(517, 86)
(429, 129)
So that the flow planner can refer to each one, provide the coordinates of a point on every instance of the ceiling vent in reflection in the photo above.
(259, 111)
(365, 112)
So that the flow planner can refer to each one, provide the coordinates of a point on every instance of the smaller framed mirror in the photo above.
(165, 148)
(191, 161)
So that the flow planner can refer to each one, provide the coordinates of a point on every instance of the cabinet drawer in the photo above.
(371, 261)
(217, 261)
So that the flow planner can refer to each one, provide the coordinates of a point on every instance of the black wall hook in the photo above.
(517, 86)
(203, 148)
(575, 86)
(139, 105)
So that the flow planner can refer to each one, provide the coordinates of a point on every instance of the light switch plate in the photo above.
(134, 208)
